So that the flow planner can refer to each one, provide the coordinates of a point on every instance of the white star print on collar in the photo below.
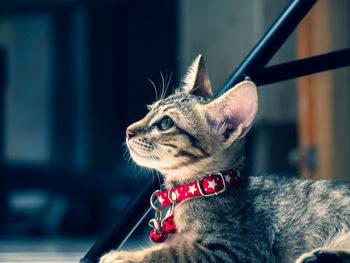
(212, 184)
(192, 189)
(161, 199)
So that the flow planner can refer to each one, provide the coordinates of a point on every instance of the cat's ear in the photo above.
(231, 115)
(196, 80)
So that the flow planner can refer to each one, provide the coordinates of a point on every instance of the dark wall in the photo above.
(131, 42)
(100, 54)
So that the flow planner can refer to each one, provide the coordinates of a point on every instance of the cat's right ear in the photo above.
(230, 116)
(196, 80)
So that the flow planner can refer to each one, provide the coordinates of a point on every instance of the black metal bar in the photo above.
(270, 42)
(137, 208)
(301, 67)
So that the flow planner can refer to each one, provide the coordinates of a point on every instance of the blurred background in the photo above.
(74, 74)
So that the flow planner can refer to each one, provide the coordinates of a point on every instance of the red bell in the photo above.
(169, 225)
(157, 233)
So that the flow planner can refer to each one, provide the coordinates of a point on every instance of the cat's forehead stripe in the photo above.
(173, 99)
(179, 98)
(177, 101)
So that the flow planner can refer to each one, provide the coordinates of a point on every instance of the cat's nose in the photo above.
(129, 133)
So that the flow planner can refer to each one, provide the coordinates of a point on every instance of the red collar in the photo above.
(209, 185)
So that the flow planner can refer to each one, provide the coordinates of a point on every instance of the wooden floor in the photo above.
(54, 250)
(61, 250)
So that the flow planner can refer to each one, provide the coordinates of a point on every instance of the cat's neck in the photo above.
(184, 175)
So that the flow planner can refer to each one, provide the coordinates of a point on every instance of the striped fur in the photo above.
(271, 218)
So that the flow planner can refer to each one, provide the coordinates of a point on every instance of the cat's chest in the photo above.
(183, 218)
(194, 216)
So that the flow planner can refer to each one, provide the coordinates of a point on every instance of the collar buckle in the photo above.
(199, 185)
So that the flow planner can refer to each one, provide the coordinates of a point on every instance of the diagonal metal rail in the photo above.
(301, 67)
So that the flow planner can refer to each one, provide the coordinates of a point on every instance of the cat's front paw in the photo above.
(325, 256)
(120, 257)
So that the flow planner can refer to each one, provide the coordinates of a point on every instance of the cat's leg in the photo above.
(189, 252)
(325, 255)
(337, 251)
(180, 252)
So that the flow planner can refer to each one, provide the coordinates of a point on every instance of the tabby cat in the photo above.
(266, 218)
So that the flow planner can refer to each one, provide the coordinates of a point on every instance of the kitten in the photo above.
(271, 218)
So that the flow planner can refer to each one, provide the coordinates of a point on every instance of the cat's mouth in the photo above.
(133, 151)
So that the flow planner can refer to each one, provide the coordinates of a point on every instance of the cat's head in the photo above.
(189, 133)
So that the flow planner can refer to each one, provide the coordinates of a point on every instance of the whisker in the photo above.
(163, 86)
(159, 179)
(195, 88)
(168, 83)
(154, 87)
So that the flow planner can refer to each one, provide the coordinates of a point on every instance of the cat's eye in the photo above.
(165, 124)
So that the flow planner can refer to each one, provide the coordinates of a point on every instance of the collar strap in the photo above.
(209, 185)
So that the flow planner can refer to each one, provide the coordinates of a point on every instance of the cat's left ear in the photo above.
(196, 80)
(231, 115)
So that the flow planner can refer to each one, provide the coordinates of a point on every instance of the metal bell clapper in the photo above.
(157, 233)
